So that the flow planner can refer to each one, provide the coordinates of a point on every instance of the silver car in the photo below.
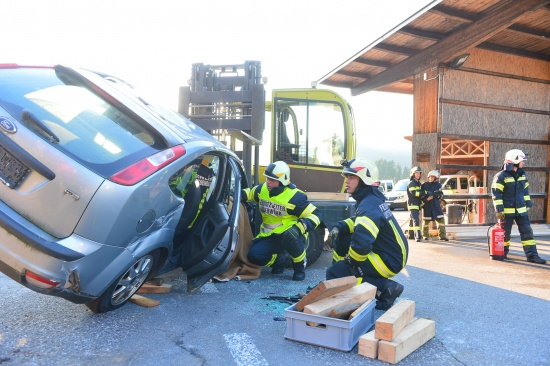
(102, 189)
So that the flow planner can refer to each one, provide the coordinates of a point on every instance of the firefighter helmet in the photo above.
(414, 170)
(514, 156)
(278, 171)
(434, 173)
(364, 169)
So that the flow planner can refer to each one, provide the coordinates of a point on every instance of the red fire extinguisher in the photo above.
(495, 240)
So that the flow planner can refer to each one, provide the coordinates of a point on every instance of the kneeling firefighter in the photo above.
(287, 216)
(372, 245)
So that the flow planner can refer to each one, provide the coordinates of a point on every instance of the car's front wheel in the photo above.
(125, 286)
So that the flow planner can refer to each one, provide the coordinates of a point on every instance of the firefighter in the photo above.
(287, 217)
(432, 210)
(510, 190)
(370, 246)
(415, 195)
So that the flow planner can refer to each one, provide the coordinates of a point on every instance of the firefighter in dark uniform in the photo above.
(510, 190)
(287, 216)
(370, 246)
(415, 196)
(432, 211)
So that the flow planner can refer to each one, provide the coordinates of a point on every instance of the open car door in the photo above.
(213, 236)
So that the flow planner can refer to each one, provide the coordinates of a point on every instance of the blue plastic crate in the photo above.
(333, 333)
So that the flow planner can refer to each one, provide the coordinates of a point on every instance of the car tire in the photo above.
(121, 290)
(314, 245)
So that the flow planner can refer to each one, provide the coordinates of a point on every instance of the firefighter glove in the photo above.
(355, 266)
(291, 234)
(334, 233)
(500, 215)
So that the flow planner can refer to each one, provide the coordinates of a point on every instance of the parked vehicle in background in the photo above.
(459, 183)
(397, 197)
(103, 189)
(386, 186)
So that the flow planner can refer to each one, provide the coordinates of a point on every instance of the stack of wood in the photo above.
(154, 286)
(397, 333)
(339, 298)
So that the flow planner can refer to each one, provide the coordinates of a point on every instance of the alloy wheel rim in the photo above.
(130, 282)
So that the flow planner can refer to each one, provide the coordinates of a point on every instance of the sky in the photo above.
(152, 44)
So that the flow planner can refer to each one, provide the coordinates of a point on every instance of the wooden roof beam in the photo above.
(456, 43)
(406, 51)
(370, 62)
(352, 74)
(420, 33)
(513, 51)
(455, 14)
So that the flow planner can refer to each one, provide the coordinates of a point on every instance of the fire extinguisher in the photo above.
(495, 240)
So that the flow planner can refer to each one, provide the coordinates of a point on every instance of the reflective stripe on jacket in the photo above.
(376, 234)
(415, 194)
(281, 211)
(510, 192)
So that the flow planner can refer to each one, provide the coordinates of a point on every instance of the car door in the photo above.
(213, 238)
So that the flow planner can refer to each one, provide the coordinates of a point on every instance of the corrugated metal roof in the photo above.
(439, 32)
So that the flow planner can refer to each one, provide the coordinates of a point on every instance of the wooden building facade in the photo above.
(467, 115)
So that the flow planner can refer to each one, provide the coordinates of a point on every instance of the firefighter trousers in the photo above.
(265, 250)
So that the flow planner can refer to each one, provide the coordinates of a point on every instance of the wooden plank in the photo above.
(368, 345)
(144, 301)
(147, 288)
(346, 311)
(359, 310)
(355, 295)
(327, 196)
(325, 289)
(388, 326)
(409, 340)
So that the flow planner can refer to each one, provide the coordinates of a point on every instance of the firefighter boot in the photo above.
(506, 250)
(532, 255)
(278, 266)
(391, 291)
(299, 271)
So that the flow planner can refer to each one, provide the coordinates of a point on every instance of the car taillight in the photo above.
(144, 168)
(39, 281)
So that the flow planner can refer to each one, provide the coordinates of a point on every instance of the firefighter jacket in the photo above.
(510, 191)
(415, 194)
(375, 234)
(282, 208)
(432, 209)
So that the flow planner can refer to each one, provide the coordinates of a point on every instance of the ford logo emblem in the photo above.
(7, 125)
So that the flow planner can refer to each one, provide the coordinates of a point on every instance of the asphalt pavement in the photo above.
(486, 312)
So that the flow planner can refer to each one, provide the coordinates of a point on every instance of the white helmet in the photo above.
(415, 169)
(514, 156)
(364, 169)
(434, 173)
(278, 171)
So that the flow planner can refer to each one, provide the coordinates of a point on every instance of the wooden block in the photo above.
(147, 288)
(451, 236)
(388, 326)
(143, 301)
(368, 345)
(325, 289)
(355, 295)
(157, 281)
(346, 311)
(359, 310)
(409, 340)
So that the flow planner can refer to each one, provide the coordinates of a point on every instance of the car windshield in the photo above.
(401, 185)
(88, 127)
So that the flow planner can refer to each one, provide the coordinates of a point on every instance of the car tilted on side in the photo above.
(102, 189)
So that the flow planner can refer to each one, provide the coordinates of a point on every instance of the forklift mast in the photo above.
(228, 101)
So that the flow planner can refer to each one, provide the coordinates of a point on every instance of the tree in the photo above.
(388, 169)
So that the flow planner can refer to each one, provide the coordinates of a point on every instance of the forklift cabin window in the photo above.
(310, 133)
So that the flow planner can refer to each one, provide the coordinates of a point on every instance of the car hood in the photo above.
(395, 194)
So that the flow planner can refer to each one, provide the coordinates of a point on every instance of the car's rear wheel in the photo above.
(125, 286)
(314, 245)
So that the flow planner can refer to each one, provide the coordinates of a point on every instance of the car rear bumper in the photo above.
(82, 268)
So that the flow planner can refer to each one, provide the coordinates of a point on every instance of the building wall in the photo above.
(492, 95)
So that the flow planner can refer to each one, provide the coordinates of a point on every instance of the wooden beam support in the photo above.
(492, 139)
(325, 289)
(458, 42)
(388, 326)
(409, 340)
